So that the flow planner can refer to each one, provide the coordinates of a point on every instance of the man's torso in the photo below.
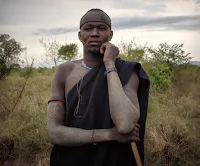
(73, 72)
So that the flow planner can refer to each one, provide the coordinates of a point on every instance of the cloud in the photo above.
(146, 6)
(62, 12)
(55, 31)
(167, 22)
(196, 1)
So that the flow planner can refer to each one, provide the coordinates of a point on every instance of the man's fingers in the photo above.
(136, 129)
(137, 125)
(136, 134)
(136, 139)
(102, 49)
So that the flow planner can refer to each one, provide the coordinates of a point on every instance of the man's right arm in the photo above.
(69, 136)
(60, 134)
(63, 135)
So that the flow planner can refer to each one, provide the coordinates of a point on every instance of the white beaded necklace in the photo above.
(85, 66)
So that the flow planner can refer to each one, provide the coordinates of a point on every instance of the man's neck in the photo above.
(92, 59)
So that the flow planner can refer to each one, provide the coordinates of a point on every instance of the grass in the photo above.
(172, 130)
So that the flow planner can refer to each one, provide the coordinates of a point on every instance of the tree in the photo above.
(171, 55)
(10, 50)
(132, 51)
(68, 52)
(51, 51)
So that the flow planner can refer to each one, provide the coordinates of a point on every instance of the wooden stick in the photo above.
(136, 154)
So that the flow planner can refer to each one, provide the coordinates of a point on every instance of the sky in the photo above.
(148, 21)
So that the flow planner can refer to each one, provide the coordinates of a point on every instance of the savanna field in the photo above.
(173, 120)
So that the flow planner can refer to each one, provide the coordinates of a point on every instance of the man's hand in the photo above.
(110, 52)
(125, 138)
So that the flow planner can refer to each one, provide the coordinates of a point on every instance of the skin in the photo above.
(123, 101)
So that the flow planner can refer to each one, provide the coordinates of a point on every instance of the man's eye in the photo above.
(88, 29)
(102, 28)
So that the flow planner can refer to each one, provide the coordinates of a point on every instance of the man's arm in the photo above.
(124, 106)
(60, 134)
(69, 136)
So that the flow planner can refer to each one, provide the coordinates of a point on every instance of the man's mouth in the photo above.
(95, 43)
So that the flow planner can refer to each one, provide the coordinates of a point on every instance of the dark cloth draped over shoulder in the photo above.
(94, 113)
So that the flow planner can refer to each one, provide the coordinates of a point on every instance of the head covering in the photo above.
(90, 16)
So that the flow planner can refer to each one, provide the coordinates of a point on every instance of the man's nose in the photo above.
(95, 32)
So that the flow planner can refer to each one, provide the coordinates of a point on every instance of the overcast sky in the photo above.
(149, 21)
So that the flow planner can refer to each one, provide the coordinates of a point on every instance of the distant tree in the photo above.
(15, 66)
(132, 51)
(171, 55)
(10, 50)
(51, 51)
(68, 52)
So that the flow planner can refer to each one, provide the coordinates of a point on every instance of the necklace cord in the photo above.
(79, 98)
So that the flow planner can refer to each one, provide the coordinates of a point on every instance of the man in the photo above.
(97, 102)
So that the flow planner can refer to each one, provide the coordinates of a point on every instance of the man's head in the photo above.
(95, 29)
(95, 15)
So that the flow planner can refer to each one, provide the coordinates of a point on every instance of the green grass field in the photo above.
(172, 129)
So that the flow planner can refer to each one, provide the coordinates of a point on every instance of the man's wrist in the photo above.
(109, 64)
(108, 70)
(102, 135)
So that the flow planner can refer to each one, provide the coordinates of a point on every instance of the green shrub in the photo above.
(159, 75)
(26, 72)
(41, 69)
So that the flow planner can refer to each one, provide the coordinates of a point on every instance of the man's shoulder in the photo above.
(126, 62)
(67, 67)
(127, 65)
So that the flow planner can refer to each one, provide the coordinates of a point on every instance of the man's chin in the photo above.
(95, 50)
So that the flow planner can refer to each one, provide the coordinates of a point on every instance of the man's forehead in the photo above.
(95, 16)
(95, 23)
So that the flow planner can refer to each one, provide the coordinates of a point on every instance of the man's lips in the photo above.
(96, 43)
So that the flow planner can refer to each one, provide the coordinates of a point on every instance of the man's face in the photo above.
(94, 34)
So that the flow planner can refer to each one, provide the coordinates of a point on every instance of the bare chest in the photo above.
(74, 77)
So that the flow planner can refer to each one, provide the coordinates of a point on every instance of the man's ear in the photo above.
(79, 35)
(111, 35)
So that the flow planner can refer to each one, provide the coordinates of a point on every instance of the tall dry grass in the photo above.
(25, 126)
(172, 130)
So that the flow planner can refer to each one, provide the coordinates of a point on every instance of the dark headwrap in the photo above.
(100, 17)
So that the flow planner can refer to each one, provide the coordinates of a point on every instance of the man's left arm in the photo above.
(123, 101)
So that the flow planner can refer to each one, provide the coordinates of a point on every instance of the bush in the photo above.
(41, 69)
(159, 75)
(132, 51)
(10, 50)
(173, 55)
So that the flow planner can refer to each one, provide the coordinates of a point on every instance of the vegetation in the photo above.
(68, 52)
(10, 50)
(56, 53)
(132, 51)
(171, 55)
(51, 51)
(172, 129)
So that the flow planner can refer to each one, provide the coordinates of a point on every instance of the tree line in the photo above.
(164, 54)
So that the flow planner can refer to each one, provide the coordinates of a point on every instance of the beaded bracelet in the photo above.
(108, 70)
(92, 138)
